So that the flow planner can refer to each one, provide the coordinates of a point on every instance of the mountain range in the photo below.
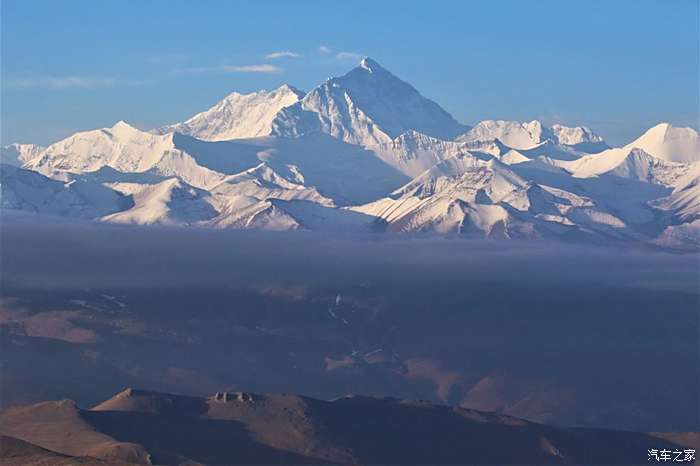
(145, 427)
(366, 152)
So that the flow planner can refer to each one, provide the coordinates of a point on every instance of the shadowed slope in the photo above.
(235, 428)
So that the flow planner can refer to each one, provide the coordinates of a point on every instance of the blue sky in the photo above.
(616, 66)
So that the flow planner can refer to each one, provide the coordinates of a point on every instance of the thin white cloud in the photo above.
(195, 70)
(348, 56)
(284, 54)
(324, 50)
(230, 69)
(62, 82)
(167, 59)
(253, 69)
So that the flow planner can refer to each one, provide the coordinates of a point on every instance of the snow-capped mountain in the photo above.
(367, 106)
(515, 134)
(33, 192)
(345, 172)
(412, 152)
(121, 147)
(684, 201)
(366, 152)
(169, 202)
(238, 115)
(683, 206)
(529, 135)
(578, 136)
(627, 163)
(669, 143)
(466, 194)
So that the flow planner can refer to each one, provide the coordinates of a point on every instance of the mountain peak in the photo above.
(123, 129)
(370, 65)
(284, 89)
(670, 143)
(657, 131)
(368, 106)
(121, 124)
(289, 88)
(663, 126)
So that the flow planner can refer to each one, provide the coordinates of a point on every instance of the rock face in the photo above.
(144, 427)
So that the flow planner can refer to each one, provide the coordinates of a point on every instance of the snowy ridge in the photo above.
(238, 115)
(263, 183)
(683, 204)
(529, 135)
(33, 192)
(412, 152)
(468, 195)
(19, 154)
(366, 152)
(511, 133)
(574, 136)
(121, 147)
(169, 202)
(684, 201)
